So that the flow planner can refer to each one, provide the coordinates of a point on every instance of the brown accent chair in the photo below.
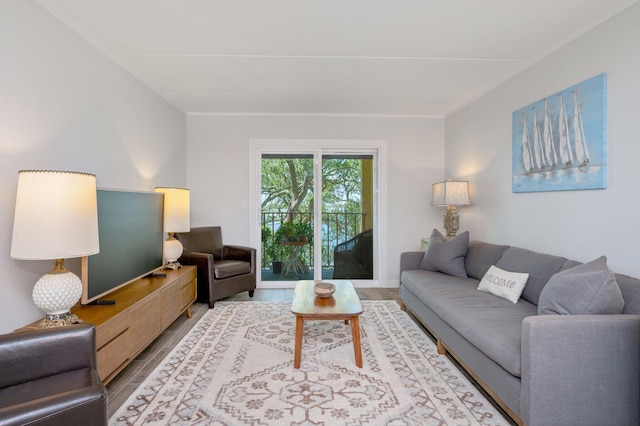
(222, 270)
(49, 377)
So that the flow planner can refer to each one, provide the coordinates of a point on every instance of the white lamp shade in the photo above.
(56, 215)
(450, 193)
(176, 209)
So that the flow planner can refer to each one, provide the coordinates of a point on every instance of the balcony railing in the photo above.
(336, 228)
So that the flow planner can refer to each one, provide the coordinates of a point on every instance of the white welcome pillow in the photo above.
(505, 284)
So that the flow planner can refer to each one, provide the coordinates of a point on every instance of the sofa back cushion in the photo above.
(481, 256)
(539, 266)
(630, 288)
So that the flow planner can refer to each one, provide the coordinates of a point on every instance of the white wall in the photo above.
(577, 224)
(218, 170)
(65, 106)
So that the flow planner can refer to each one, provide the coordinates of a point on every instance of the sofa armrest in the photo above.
(33, 354)
(580, 369)
(410, 260)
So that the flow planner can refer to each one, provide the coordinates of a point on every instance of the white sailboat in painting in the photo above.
(547, 137)
(564, 143)
(526, 146)
(580, 143)
(538, 155)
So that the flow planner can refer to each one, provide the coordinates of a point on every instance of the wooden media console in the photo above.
(143, 309)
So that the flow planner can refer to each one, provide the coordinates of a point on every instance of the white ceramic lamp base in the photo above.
(55, 293)
(172, 250)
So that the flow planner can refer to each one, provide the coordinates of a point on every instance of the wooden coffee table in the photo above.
(344, 305)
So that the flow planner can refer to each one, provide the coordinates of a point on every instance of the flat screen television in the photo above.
(131, 237)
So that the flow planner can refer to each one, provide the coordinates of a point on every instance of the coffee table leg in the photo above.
(298, 345)
(355, 333)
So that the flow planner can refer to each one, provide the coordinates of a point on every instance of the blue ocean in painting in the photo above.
(583, 177)
(559, 142)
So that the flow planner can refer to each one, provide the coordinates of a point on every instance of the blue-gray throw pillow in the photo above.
(590, 288)
(446, 256)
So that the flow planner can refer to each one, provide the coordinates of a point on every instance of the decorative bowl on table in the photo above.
(324, 290)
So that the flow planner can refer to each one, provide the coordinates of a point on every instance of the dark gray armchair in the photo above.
(353, 259)
(222, 270)
(49, 377)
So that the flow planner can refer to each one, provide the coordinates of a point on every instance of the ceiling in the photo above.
(422, 58)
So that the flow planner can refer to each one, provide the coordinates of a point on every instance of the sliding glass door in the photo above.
(318, 213)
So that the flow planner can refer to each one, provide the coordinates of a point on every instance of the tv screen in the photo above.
(131, 237)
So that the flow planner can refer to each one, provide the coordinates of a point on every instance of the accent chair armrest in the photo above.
(247, 254)
(195, 258)
(34, 354)
(410, 260)
(202, 261)
(580, 369)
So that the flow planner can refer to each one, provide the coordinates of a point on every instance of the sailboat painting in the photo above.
(560, 142)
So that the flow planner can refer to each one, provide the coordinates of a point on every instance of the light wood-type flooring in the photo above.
(128, 380)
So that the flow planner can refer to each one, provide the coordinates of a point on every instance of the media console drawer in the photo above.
(111, 329)
(113, 355)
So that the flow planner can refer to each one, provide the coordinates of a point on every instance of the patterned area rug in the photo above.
(235, 367)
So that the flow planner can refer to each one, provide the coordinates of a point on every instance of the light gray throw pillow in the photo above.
(590, 288)
(505, 284)
(446, 256)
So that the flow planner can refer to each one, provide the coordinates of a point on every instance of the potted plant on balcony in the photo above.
(304, 231)
(294, 232)
(287, 232)
(276, 252)
(272, 250)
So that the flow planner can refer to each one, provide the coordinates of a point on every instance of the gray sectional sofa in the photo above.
(541, 369)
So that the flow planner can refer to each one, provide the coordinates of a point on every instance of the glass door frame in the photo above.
(318, 147)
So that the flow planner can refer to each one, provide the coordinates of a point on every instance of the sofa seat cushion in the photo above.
(490, 323)
(230, 268)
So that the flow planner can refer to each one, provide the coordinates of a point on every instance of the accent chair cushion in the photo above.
(505, 284)
(446, 256)
(590, 288)
(230, 268)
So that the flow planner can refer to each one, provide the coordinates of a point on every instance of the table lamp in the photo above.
(176, 219)
(56, 217)
(451, 194)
